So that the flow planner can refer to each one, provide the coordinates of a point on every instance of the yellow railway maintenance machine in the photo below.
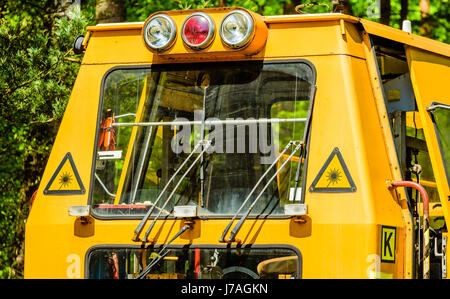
(219, 143)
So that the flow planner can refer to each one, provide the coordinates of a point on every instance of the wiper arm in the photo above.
(241, 221)
(222, 238)
(205, 148)
(305, 141)
(161, 253)
(144, 220)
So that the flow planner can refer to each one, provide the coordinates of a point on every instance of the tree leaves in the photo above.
(35, 84)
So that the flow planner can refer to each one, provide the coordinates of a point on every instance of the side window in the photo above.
(441, 119)
(122, 91)
(417, 154)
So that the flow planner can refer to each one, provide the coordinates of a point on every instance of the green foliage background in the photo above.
(38, 69)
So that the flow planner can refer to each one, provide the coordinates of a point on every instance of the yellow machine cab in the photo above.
(219, 143)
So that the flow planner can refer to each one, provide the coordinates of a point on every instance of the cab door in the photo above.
(430, 75)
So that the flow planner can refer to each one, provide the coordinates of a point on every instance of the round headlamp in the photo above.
(159, 32)
(198, 30)
(236, 28)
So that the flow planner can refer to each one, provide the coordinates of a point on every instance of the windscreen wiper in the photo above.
(222, 238)
(305, 141)
(238, 226)
(103, 186)
(161, 253)
(144, 220)
(206, 144)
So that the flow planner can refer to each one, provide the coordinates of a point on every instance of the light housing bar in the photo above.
(79, 211)
(159, 32)
(185, 211)
(198, 30)
(196, 40)
(237, 28)
(298, 209)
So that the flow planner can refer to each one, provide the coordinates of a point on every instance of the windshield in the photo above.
(195, 263)
(153, 119)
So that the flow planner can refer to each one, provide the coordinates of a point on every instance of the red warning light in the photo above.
(198, 30)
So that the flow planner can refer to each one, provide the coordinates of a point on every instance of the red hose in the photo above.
(197, 262)
(419, 188)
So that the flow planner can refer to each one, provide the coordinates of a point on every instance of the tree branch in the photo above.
(38, 75)
(385, 11)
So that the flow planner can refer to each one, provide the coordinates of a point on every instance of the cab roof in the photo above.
(370, 27)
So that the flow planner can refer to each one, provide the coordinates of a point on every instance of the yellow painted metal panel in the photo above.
(49, 224)
(389, 150)
(310, 18)
(406, 38)
(115, 27)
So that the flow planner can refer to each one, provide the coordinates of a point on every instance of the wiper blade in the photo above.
(161, 253)
(244, 217)
(103, 186)
(205, 148)
(151, 265)
(222, 238)
(144, 220)
(202, 175)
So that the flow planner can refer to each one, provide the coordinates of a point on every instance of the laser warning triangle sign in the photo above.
(333, 176)
(65, 180)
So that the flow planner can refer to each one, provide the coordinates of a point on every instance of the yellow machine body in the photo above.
(343, 234)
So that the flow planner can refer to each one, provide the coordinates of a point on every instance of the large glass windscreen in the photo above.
(201, 135)
(195, 263)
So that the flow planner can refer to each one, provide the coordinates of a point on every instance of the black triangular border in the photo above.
(55, 174)
(335, 152)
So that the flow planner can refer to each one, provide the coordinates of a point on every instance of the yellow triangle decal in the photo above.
(333, 176)
(65, 180)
